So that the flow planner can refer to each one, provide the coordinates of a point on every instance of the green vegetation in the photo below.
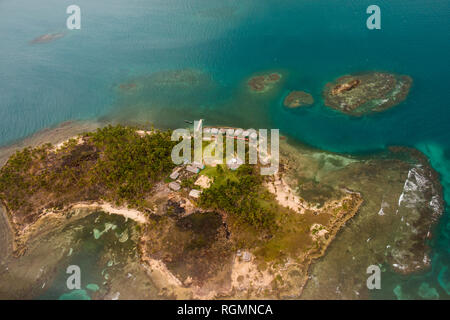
(114, 163)
(238, 193)
(130, 164)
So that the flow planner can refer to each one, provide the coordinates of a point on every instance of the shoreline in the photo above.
(7, 233)
(55, 135)
(22, 236)
(108, 208)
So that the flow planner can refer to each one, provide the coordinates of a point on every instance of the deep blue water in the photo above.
(317, 41)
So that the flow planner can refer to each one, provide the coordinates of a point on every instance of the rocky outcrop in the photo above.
(345, 87)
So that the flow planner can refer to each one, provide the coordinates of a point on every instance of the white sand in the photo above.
(58, 146)
(285, 196)
(143, 133)
(109, 208)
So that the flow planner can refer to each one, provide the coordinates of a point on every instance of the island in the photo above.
(188, 234)
(364, 93)
(296, 99)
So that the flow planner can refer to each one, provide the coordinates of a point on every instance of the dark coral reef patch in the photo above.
(264, 82)
(364, 93)
(296, 99)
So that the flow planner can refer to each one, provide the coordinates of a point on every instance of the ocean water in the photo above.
(310, 42)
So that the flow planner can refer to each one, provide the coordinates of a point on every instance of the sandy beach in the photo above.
(109, 208)
(6, 235)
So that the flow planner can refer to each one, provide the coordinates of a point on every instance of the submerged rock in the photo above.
(93, 287)
(75, 295)
(97, 233)
(128, 87)
(427, 292)
(364, 93)
(297, 99)
(399, 293)
(444, 279)
(264, 82)
(48, 37)
(178, 78)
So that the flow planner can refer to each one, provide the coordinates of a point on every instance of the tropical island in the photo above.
(364, 93)
(217, 230)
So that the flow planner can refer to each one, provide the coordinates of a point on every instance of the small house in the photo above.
(192, 169)
(175, 186)
(195, 193)
(175, 174)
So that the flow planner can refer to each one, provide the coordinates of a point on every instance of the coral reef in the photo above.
(364, 93)
(297, 99)
(264, 82)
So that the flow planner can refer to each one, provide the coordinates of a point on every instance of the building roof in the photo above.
(175, 173)
(174, 186)
(195, 193)
(192, 169)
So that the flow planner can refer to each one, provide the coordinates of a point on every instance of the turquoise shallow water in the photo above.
(75, 77)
